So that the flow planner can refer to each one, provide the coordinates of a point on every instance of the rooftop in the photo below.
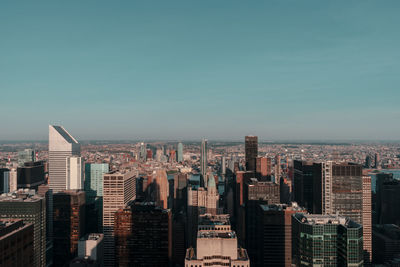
(213, 234)
(208, 219)
(21, 195)
(280, 207)
(323, 219)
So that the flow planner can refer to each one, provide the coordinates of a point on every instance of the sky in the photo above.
(183, 70)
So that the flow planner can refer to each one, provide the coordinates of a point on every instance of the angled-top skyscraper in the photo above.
(61, 146)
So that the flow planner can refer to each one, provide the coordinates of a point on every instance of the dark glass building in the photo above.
(251, 152)
(31, 175)
(143, 235)
(326, 240)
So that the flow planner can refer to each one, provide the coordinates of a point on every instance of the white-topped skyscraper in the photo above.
(61, 146)
(179, 154)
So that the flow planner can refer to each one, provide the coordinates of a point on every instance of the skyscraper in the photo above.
(326, 240)
(180, 152)
(94, 192)
(217, 244)
(16, 243)
(162, 190)
(274, 234)
(119, 187)
(143, 235)
(75, 173)
(203, 161)
(251, 152)
(367, 219)
(277, 167)
(31, 208)
(31, 175)
(61, 146)
(69, 224)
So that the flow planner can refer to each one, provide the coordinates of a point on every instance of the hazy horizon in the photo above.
(183, 70)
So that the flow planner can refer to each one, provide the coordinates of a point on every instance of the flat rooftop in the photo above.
(208, 219)
(280, 207)
(21, 195)
(322, 219)
(213, 234)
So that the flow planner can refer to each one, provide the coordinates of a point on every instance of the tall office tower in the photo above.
(142, 152)
(388, 199)
(263, 167)
(223, 165)
(203, 161)
(217, 244)
(326, 240)
(274, 234)
(27, 155)
(303, 179)
(368, 162)
(91, 247)
(45, 192)
(94, 194)
(16, 243)
(386, 243)
(179, 154)
(149, 154)
(180, 192)
(377, 163)
(75, 173)
(162, 190)
(31, 208)
(31, 175)
(256, 193)
(13, 179)
(61, 146)
(251, 152)
(178, 238)
(4, 180)
(340, 185)
(197, 202)
(277, 167)
(212, 196)
(119, 187)
(143, 235)
(69, 224)
(367, 219)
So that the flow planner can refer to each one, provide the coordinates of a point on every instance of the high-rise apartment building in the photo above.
(69, 224)
(216, 244)
(203, 161)
(16, 243)
(251, 152)
(61, 146)
(143, 235)
(75, 173)
(367, 219)
(326, 240)
(119, 187)
(274, 234)
(31, 208)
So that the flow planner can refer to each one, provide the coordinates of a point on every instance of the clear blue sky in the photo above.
(191, 69)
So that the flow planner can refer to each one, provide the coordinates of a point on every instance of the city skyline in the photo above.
(215, 70)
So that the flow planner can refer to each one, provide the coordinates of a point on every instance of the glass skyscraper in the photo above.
(180, 152)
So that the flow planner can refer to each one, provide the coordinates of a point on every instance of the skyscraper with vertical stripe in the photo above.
(61, 146)
(203, 161)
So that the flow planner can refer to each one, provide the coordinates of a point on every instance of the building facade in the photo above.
(251, 152)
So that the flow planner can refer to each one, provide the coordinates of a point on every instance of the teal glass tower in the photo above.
(94, 191)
